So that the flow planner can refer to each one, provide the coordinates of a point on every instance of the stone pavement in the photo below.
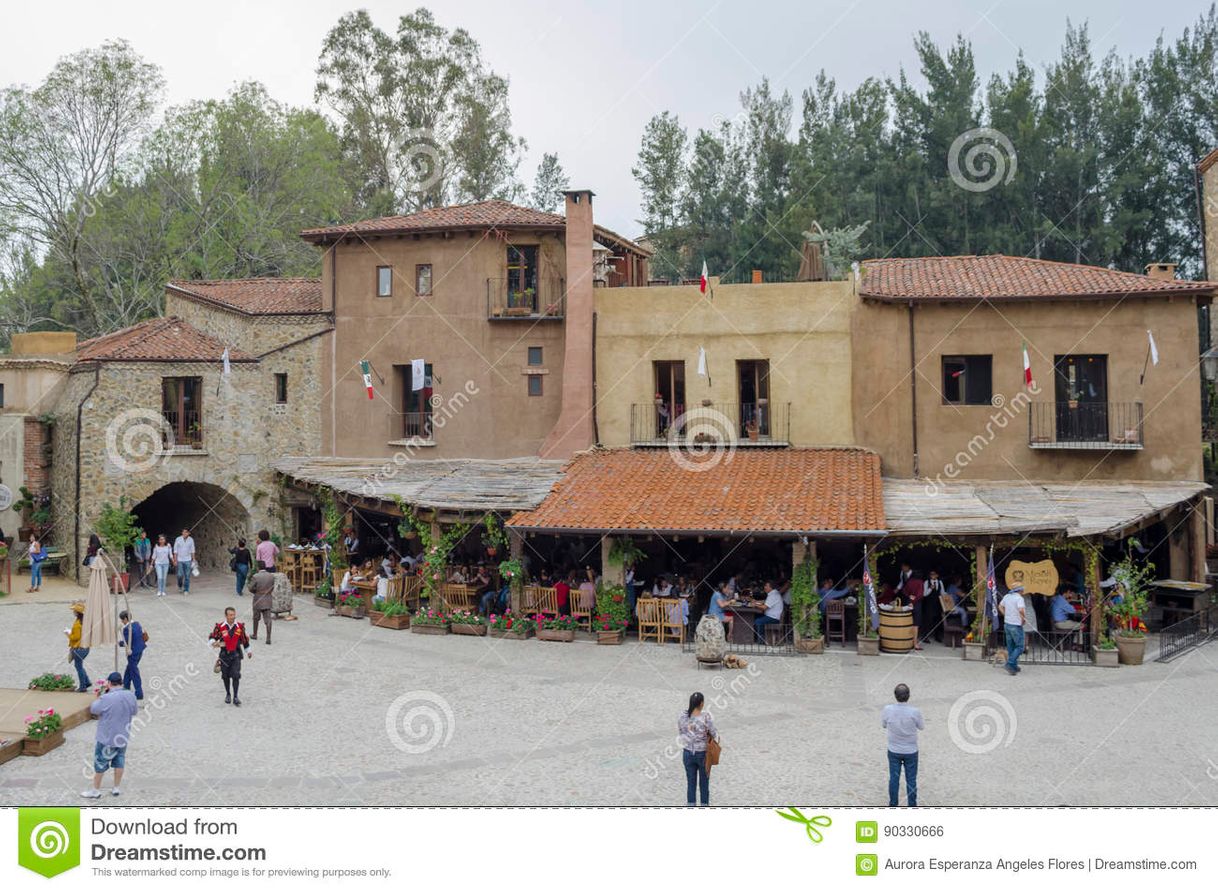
(337, 712)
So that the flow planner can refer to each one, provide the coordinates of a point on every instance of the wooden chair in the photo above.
(651, 617)
(310, 569)
(412, 589)
(540, 600)
(835, 615)
(459, 597)
(672, 624)
(953, 631)
(583, 608)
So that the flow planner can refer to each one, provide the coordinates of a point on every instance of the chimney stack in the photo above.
(1162, 271)
(574, 430)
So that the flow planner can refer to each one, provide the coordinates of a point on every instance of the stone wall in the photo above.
(254, 334)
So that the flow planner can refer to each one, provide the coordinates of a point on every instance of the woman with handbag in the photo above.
(700, 745)
(240, 564)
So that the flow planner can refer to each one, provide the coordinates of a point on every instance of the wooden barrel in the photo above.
(896, 630)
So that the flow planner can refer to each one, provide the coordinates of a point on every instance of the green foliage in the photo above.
(332, 518)
(1134, 579)
(465, 617)
(840, 247)
(611, 603)
(324, 589)
(624, 552)
(53, 681)
(117, 528)
(805, 599)
(430, 617)
(549, 185)
(510, 622)
(391, 608)
(44, 724)
(494, 535)
(436, 550)
(512, 572)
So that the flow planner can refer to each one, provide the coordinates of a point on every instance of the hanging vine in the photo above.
(436, 549)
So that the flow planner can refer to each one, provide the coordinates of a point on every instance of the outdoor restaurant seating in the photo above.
(582, 609)
(540, 600)
(953, 630)
(672, 620)
(835, 622)
(459, 597)
(651, 619)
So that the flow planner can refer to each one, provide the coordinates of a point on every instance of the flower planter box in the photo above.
(610, 638)
(1130, 650)
(869, 646)
(325, 602)
(510, 635)
(810, 645)
(560, 636)
(42, 746)
(472, 630)
(380, 620)
(429, 629)
(10, 750)
(1105, 658)
(974, 651)
(352, 612)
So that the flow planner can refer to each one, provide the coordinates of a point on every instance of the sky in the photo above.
(586, 77)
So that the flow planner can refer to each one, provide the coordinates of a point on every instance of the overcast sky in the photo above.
(585, 77)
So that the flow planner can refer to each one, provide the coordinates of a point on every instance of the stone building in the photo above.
(151, 414)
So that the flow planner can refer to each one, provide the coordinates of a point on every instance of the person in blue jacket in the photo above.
(135, 644)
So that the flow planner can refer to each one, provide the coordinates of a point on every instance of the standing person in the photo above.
(183, 559)
(114, 708)
(263, 587)
(135, 641)
(1014, 614)
(266, 552)
(143, 557)
(76, 653)
(902, 721)
(562, 595)
(693, 729)
(630, 593)
(38, 556)
(162, 556)
(932, 608)
(230, 637)
(94, 547)
(351, 546)
(240, 564)
(913, 590)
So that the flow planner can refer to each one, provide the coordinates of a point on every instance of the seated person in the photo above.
(663, 588)
(457, 576)
(1064, 616)
(773, 611)
(718, 600)
(562, 594)
(959, 601)
(829, 592)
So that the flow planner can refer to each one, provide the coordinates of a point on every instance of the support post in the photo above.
(979, 592)
(612, 573)
(1196, 525)
(1094, 574)
(516, 549)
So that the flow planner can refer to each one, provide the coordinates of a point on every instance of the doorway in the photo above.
(753, 389)
(1081, 394)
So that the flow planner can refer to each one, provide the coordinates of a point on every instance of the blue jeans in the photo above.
(243, 572)
(895, 761)
(759, 623)
(131, 677)
(1014, 638)
(162, 570)
(184, 575)
(696, 777)
(106, 757)
(79, 654)
(35, 574)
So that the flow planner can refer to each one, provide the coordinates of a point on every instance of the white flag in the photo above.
(1154, 349)
(702, 361)
(418, 374)
(224, 358)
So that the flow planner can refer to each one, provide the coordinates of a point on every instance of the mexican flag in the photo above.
(366, 370)
(705, 279)
(1027, 368)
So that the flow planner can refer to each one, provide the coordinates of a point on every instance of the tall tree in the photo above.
(549, 184)
(660, 173)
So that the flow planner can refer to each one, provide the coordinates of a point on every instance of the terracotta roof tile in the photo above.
(257, 296)
(750, 490)
(998, 277)
(157, 340)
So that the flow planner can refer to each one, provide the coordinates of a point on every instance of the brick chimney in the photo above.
(1162, 271)
(574, 430)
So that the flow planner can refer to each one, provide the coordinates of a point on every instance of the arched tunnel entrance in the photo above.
(214, 516)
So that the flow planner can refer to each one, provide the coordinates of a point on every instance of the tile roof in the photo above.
(998, 277)
(167, 339)
(791, 491)
(257, 296)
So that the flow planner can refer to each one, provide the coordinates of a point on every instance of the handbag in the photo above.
(713, 751)
(144, 635)
(194, 570)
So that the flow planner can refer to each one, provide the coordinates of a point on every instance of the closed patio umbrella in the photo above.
(98, 625)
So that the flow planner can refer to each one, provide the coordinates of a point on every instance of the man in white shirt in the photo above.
(772, 614)
(1014, 611)
(902, 721)
(183, 559)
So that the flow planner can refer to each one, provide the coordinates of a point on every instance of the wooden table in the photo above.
(742, 623)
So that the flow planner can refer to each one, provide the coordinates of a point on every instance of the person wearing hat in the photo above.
(114, 708)
(1014, 612)
(76, 653)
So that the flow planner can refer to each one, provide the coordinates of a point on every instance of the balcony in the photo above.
(411, 427)
(1106, 426)
(757, 424)
(182, 430)
(507, 302)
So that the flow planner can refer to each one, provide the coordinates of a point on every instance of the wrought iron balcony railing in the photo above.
(1085, 425)
(662, 423)
(506, 300)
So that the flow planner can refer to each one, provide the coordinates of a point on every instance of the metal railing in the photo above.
(1050, 647)
(1085, 425)
(411, 425)
(1190, 632)
(505, 299)
(663, 423)
(186, 429)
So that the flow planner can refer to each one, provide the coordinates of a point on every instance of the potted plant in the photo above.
(429, 621)
(43, 732)
(612, 612)
(974, 643)
(805, 608)
(610, 630)
(117, 529)
(466, 622)
(351, 604)
(868, 643)
(1105, 653)
(556, 628)
(323, 595)
(1128, 603)
(390, 614)
(54, 682)
(25, 507)
(493, 538)
(512, 627)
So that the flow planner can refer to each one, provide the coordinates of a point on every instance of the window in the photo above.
(415, 415)
(534, 357)
(669, 395)
(522, 277)
(535, 385)
(753, 387)
(281, 387)
(967, 380)
(2, 392)
(422, 280)
(384, 281)
(182, 408)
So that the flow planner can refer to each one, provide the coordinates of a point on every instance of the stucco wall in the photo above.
(1117, 329)
(480, 365)
(802, 328)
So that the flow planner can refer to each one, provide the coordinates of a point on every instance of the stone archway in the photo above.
(214, 516)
